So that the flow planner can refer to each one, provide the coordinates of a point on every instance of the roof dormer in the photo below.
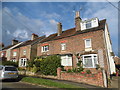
(90, 23)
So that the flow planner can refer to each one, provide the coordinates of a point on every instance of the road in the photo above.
(12, 85)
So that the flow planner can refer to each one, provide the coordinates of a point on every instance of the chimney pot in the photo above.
(59, 27)
(77, 14)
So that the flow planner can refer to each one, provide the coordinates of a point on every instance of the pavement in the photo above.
(115, 82)
(16, 85)
(13, 85)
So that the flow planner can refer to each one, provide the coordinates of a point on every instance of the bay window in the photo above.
(90, 60)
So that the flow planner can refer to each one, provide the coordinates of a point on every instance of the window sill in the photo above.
(88, 49)
(89, 67)
(44, 51)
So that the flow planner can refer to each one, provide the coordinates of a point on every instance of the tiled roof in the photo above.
(7, 47)
(30, 42)
(72, 32)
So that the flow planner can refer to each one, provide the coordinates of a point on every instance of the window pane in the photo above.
(95, 61)
(88, 62)
(45, 48)
(88, 25)
(63, 46)
(87, 43)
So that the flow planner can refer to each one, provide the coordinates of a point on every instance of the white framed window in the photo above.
(23, 62)
(88, 24)
(88, 43)
(90, 60)
(13, 60)
(45, 48)
(66, 60)
(14, 53)
(63, 46)
(24, 52)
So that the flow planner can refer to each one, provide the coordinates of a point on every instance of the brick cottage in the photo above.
(25, 51)
(88, 41)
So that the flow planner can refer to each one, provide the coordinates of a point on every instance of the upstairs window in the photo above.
(24, 52)
(45, 48)
(88, 25)
(88, 43)
(14, 53)
(63, 46)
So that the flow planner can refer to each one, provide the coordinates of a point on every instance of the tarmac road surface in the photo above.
(12, 85)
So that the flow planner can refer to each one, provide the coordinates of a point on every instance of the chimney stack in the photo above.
(34, 36)
(77, 21)
(15, 42)
(59, 27)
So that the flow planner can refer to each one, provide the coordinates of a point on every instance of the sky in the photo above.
(21, 19)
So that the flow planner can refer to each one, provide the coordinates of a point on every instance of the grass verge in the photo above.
(49, 83)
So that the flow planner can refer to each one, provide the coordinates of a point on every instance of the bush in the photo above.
(74, 70)
(88, 71)
(69, 70)
(35, 69)
(30, 63)
(49, 65)
(10, 63)
(80, 67)
(62, 67)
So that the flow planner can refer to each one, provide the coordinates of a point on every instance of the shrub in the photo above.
(21, 69)
(80, 67)
(69, 70)
(74, 70)
(10, 63)
(62, 67)
(30, 63)
(88, 71)
(49, 65)
(35, 69)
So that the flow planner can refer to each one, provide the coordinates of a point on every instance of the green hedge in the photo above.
(10, 63)
(47, 65)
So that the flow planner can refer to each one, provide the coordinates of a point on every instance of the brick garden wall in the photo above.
(92, 79)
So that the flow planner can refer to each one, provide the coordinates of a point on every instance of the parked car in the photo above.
(8, 72)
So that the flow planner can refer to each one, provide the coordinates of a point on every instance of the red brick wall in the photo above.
(28, 50)
(17, 56)
(95, 79)
(92, 79)
(76, 44)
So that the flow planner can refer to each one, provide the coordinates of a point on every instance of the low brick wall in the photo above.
(92, 79)
(26, 73)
